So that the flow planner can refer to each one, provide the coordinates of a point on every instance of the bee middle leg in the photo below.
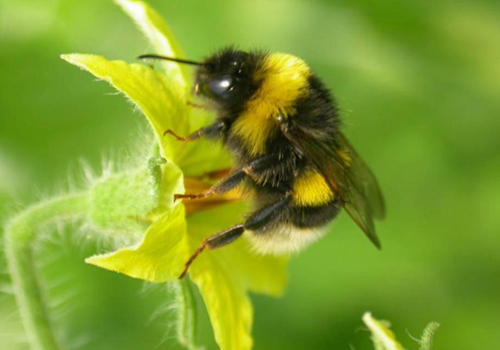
(219, 188)
(256, 221)
(233, 180)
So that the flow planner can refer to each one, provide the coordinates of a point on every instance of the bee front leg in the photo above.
(211, 132)
(191, 137)
(257, 220)
(198, 106)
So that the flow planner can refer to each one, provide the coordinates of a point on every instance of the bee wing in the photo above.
(346, 173)
(363, 180)
(362, 197)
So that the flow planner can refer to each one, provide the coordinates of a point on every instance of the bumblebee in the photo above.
(282, 127)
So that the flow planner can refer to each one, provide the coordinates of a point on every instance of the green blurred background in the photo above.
(419, 88)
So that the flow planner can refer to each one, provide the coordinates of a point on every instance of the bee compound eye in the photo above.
(220, 86)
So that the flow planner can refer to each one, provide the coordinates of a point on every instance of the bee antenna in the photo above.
(178, 60)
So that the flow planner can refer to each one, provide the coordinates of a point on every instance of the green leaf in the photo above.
(382, 337)
(160, 99)
(161, 255)
(161, 37)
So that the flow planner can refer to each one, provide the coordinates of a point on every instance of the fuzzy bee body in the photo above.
(255, 133)
(281, 125)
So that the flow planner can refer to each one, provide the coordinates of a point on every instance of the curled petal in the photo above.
(159, 98)
(159, 35)
(161, 255)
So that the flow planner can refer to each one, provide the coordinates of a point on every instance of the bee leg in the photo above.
(211, 132)
(216, 241)
(196, 105)
(195, 135)
(267, 215)
(219, 188)
(256, 221)
(233, 180)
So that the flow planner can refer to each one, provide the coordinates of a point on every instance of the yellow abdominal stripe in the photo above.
(284, 80)
(311, 189)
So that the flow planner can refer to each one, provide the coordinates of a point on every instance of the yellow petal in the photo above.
(204, 157)
(207, 203)
(161, 100)
(264, 274)
(172, 182)
(382, 336)
(228, 305)
(225, 275)
(160, 257)
(196, 158)
(159, 34)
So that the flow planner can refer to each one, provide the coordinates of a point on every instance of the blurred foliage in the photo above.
(418, 86)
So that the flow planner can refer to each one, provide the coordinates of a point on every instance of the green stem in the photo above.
(20, 234)
(186, 318)
(428, 336)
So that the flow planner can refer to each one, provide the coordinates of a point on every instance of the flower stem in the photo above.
(428, 336)
(20, 234)
(186, 321)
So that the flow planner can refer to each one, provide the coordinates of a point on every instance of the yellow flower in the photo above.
(223, 276)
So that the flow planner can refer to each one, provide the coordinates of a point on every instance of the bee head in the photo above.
(227, 77)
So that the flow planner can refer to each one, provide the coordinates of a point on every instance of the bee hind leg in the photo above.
(216, 241)
(257, 220)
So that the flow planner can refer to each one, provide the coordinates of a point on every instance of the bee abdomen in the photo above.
(296, 228)
(311, 189)
(284, 239)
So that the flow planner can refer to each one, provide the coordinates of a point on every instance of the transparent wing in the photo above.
(362, 178)
(346, 173)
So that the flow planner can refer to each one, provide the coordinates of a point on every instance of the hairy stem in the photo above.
(428, 336)
(186, 321)
(20, 234)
